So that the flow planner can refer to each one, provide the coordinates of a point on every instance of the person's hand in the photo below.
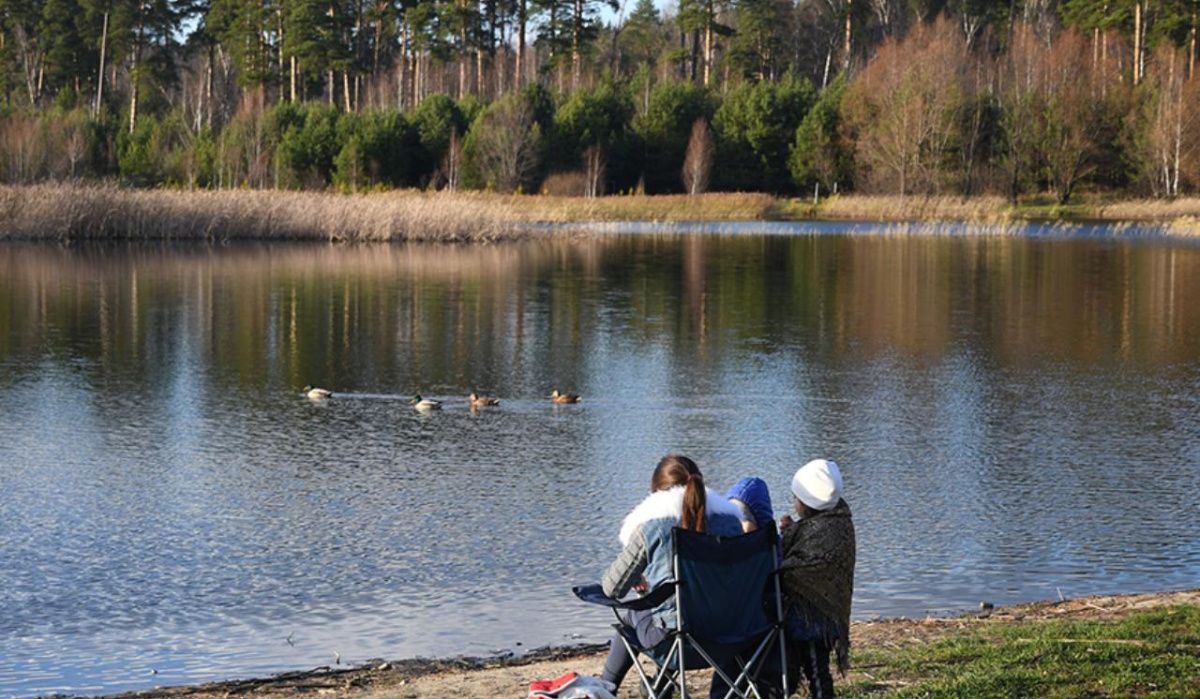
(641, 586)
(786, 522)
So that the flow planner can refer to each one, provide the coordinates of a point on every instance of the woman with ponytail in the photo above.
(678, 498)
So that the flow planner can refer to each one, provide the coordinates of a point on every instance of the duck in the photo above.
(557, 397)
(424, 404)
(314, 393)
(478, 401)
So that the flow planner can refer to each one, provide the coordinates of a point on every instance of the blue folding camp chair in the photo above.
(729, 615)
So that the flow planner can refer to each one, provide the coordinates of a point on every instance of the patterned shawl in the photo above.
(818, 574)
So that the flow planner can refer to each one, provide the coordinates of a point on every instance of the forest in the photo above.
(1038, 98)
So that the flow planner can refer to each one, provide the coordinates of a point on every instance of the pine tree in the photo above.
(241, 26)
(144, 36)
(641, 37)
(314, 41)
(23, 44)
(68, 59)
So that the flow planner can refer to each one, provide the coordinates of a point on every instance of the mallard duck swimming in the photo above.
(424, 404)
(317, 393)
(478, 401)
(557, 397)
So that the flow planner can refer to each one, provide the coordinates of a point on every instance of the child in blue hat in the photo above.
(754, 500)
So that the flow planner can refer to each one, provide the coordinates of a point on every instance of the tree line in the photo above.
(594, 96)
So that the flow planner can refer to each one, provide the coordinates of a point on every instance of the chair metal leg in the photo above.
(716, 667)
(682, 667)
(783, 660)
(637, 665)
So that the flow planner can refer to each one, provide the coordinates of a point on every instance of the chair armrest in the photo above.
(594, 594)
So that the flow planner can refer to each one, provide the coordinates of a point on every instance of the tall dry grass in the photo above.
(988, 209)
(725, 206)
(78, 212)
(86, 212)
(1186, 227)
(1165, 210)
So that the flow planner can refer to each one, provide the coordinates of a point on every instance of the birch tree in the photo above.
(698, 159)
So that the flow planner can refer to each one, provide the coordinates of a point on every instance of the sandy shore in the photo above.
(510, 677)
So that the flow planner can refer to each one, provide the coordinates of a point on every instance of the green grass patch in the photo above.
(1152, 654)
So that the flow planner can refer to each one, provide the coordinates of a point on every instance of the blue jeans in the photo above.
(648, 635)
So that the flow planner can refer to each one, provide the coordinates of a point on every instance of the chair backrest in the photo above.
(723, 594)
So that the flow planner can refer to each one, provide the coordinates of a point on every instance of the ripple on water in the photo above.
(1013, 417)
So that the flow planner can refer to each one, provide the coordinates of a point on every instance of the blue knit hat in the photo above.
(753, 492)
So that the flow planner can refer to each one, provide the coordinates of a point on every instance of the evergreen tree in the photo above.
(242, 28)
(760, 47)
(818, 155)
(23, 45)
(641, 38)
(144, 36)
(755, 125)
(68, 58)
(313, 37)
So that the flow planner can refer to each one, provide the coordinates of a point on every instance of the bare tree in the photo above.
(506, 144)
(1068, 124)
(593, 169)
(75, 145)
(452, 161)
(1020, 78)
(1168, 141)
(904, 109)
(698, 161)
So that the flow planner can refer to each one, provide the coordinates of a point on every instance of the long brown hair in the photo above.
(675, 470)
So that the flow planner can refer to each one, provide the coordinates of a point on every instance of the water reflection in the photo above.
(1014, 415)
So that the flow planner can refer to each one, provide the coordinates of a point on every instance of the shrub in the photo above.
(503, 148)
(434, 119)
(378, 148)
(665, 127)
(306, 152)
(755, 125)
(602, 119)
(818, 155)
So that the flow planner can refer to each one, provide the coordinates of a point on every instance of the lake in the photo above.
(1017, 417)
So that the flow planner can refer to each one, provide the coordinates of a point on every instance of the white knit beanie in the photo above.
(818, 484)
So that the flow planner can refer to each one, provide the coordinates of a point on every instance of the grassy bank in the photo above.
(1154, 652)
(87, 212)
(1133, 645)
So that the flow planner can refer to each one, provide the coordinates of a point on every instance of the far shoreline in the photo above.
(507, 675)
(100, 212)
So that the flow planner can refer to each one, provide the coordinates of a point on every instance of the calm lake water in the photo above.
(1014, 416)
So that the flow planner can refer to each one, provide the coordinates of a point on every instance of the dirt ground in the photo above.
(474, 677)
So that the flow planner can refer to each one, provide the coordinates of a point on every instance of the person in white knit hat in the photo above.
(818, 575)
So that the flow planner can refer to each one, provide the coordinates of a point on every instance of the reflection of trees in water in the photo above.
(1084, 300)
(262, 309)
(371, 315)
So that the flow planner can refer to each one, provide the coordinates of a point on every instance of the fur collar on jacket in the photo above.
(668, 503)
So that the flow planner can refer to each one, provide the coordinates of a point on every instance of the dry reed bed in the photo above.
(715, 206)
(989, 209)
(1164, 210)
(78, 212)
(1186, 227)
(85, 212)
